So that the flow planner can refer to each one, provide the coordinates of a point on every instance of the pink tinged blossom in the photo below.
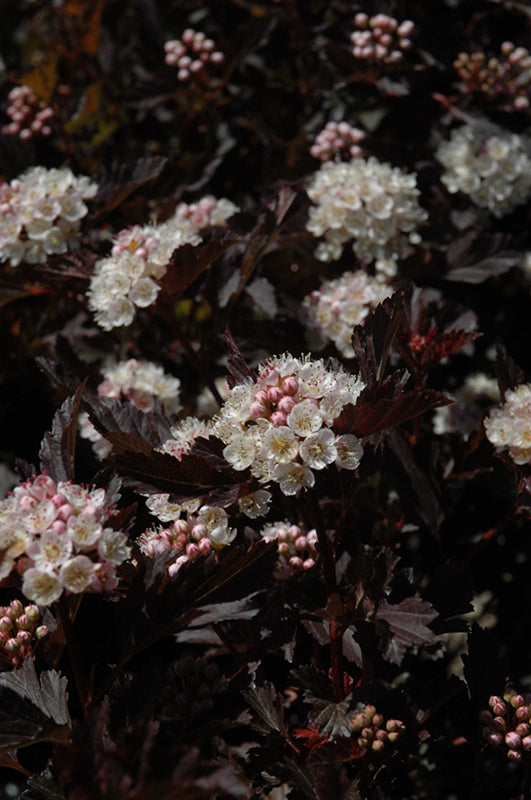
(84, 530)
(77, 574)
(40, 517)
(319, 449)
(50, 551)
(41, 587)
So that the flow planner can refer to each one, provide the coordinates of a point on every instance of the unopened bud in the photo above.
(513, 740)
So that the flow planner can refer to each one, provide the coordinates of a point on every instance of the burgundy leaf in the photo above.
(238, 370)
(122, 180)
(372, 340)
(189, 261)
(268, 705)
(406, 625)
(367, 418)
(58, 448)
(194, 475)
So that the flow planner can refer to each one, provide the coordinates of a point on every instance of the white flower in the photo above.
(349, 451)
(221, 536)
(319, 449)
(305, 418)
(293, 477)
(256, 504)
(280, 445)
(113, 546)
(77, 574)
(240, 452)
(42, 588)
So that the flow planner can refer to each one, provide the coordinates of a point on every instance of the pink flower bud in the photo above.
(286, 404)
(41, 632)
(517, 700)
(513, 740)
(523, 713)
(23, 637)
(205, 546)
(275, 394)
(514, 755)
(278, 418)
(526, 743)
(377, 746)
(522, 729)
(24, 623)
(499, 724)
(12, 646)
(5, 624)
(290, 385)
(258, 410)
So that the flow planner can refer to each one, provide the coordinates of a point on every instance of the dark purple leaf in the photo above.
(415, 484)
(367, 418)
(238, 370)
(373, 339)
(57, 453)
(122, 180)
(406, 625)
(508, 373)
(110, 415)
(189, 261)
(268, 705)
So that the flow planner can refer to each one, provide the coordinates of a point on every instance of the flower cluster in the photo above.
(505, 80)
(297, 550)
(127, 279)
(207, 211)
(370, 202)
(471, 400)
(29, 116)
(20, 631)
(507, 722)
(509, 426)
(41, 213)
(54, 535)
(489, 164)
(187, 539)
(337, 139)
(192, 55)
(142, 383)
(381, 38)
(373, 732)
(280, 426)
(332, 311)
